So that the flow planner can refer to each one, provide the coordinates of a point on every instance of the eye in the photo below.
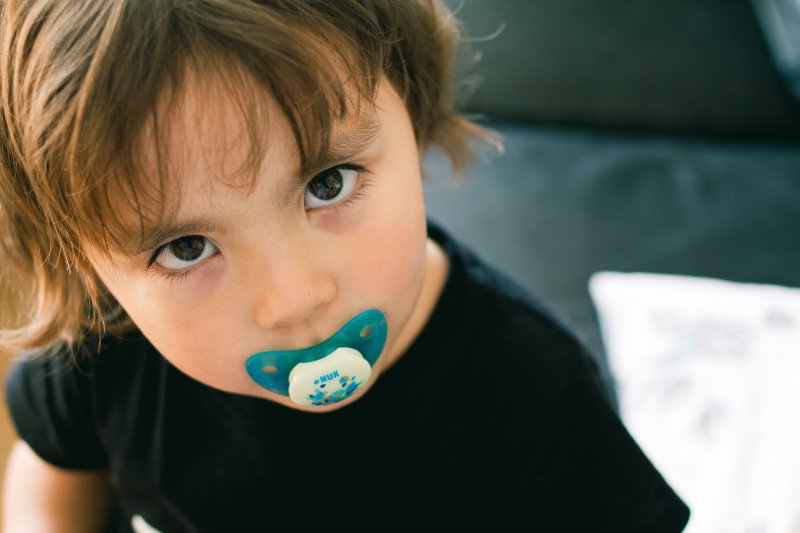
(331, 186)
(185, 252)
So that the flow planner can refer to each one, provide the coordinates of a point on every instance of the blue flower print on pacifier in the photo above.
(328, 372)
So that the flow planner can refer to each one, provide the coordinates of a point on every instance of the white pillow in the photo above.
(709, 385)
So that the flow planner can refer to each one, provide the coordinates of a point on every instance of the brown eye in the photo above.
(185, 252)
(330, 187)
(326, 186)
(188, 248)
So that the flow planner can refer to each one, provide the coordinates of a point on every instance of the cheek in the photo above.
(393, 266)
(158, 317)
(169, 325)
(190, 332)
(199, 342)
(163, 309)
(400, 250)
(399, 266)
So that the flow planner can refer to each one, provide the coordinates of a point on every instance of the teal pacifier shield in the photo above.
(365, 333)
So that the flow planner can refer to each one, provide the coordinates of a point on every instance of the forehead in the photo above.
(214, 129)
(211, 129)
(210, 137)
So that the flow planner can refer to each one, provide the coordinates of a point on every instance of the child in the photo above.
(212, 216)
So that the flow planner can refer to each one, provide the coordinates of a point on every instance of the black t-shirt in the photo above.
(492, 420)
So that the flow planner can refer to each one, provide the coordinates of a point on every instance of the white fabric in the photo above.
(709, 384)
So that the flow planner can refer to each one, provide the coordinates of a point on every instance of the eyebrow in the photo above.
(346, 144)
(160, 234)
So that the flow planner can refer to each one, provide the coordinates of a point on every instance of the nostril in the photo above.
(293, 318)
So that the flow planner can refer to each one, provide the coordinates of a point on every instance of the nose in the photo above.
(293, 288)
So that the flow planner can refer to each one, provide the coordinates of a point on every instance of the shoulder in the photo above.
(504, 323)
(60, 404)
(562, 445)
(96, 360)
(479, 283)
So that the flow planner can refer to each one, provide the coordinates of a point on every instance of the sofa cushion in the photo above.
(562, 204)
(685, 66)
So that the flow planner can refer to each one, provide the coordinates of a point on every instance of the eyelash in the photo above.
(364, 181)
(173, 276)
(177, 276)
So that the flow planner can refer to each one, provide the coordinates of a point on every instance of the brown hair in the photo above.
(80, 80)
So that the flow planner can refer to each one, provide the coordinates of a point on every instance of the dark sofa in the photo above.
(640, 135)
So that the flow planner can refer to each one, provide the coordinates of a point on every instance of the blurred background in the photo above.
(7, 434)
(640, 135)
(646, 136)
(660, 137)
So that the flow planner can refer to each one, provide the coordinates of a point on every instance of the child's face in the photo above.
(286, 266)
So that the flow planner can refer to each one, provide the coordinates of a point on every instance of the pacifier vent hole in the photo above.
(269, 369)
(366, 332)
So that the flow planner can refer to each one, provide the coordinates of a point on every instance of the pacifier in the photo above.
(328, 372)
